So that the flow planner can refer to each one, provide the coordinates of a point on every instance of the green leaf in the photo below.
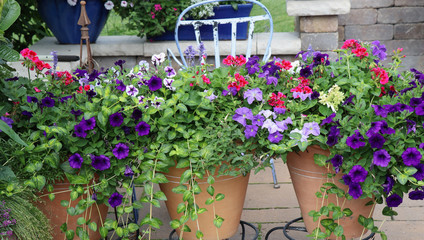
(210, 190)
(168, 113)
(9, 131)
(81, 221)
(199, 234)
(52, 196)
(218, 221)
(132, 227)
(102, 119)
(219, 197)
(92, 226)
(182, 107)
(402, 178)
(63, 227)
(7, 53)
(209, 201)
(338, 231)
(6, 174)
(70, 234)
(119, 231)
(320, 159)
(410, 171)
(103, 232)
(10, 12)
(175, 224)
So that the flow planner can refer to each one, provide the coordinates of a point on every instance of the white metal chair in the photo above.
(215, 23)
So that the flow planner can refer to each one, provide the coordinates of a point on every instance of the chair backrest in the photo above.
(233, 21)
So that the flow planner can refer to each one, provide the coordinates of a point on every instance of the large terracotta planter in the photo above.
(57, 214)
(307, 178)
(230, 208)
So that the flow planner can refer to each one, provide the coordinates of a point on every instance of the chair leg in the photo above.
(274, 176)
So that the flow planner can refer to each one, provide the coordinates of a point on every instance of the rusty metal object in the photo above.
(84, 21)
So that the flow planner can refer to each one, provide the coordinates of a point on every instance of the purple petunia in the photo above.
(355, 190)
(376, 141)
(347, 180)
(283, 124)
(349, 100)
(315, 95)
(379, 50)
(375, 128)
(419, 110)
(271, 126)
(333, 136)
(170, 72)
(155, 83)
(388, 184)
(258, 120)
(275, 137)
(75, 161)
(380, 111)
(121, 86)
(358, 174)
(128, 171)
(77, 112)
(250, 131)
(306, 71)
(32, 99)
(121, 151)
(381, 158)
(47, 102)
(231, 90)
(385, 129)
(115, 200)
(419, 175)
(337, 162)
(279, 110)
(253, 94)
(7, 120)
(252, 65)
(26, 113)
(354, 141)
(89, 124)
(136, 114)
(411, 157)
(142, 128)
(416, 195)
(100, 162)
(413, 102)
(242, 114)
(411, 126)
(328, 120)
(79, 131)
(393, 200)
(116, 119)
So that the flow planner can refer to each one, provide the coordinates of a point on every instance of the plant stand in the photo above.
(243, 232)
(300, 229)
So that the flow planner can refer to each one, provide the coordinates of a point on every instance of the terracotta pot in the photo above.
(57, 214)
(307, 178)
(230, 208)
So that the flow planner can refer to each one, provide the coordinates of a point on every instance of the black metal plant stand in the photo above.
(300, 229)
(243, 232)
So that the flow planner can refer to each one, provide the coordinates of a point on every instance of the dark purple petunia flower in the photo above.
(328, 120)
(380, 111)
(411, 157)
(79, 131)
(155, 83)
(393, 200)
(142, 128)
(89, 124)
(375, 128)
(26, 113)
(75, 161)
(419, 110)
(376, 141)
(315, 95)
(11, 79)
(127, 130)
(275, 137)
(403, 107)
(47, 102)
(416, 195)
(419, 175)
(116, 119)
(321, 58)
(115, 200)
(120, 63)
(391, 108)
(242, 114)
(349, 100)
(306, 71)
(337, 162)
(347, 180)
(385, 129)
(94, 196)
(90, 94)
(121, 86)
(252, 65)
(421, 144)
(271, 68)
(413, 102)
(100, 162)
(388, 185)
(232, 90)
(32, 99)
(76, 113)
(51, 94)
(64, 99)
(8, 121)
(411, 126)
(358, 174)
(80, 73)
(128, 171)
(381, 158)
(250, 131)
(121, 151)
(354, 141)
(136, 114)
(355, 190)
(332, 140)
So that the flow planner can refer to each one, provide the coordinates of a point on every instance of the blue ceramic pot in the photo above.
(62, 19)
(206, 32)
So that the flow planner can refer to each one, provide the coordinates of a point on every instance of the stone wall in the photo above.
(395, 23)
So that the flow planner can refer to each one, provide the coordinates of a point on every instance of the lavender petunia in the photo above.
(283, 124)
(279, 110)
(100, 162)
(121, 151)
(271, 126)
(128, 171)
(411, 157)
(393, 200)
(258, 120)
(155, 83)
(253, 94)
(303, 138)
(376, 141)
(242, 114)
(115, 200)
(116, 119)
(75, 161)
(275, 137)
(232, 90)
(250, 131)
(381, 158)
(142, 128)
(311, 128)
(358, 174)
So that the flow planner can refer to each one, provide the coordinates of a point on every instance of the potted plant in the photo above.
(369, 146)
(61, 17)
(156, 20)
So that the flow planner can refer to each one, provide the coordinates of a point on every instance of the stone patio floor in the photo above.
(267, 207)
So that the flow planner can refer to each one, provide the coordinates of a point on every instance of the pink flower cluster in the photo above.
(32, 61)
(239, 82)
(356, 48)
(302, 90)
(275, 100)
(381, 75)
(234, 61)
